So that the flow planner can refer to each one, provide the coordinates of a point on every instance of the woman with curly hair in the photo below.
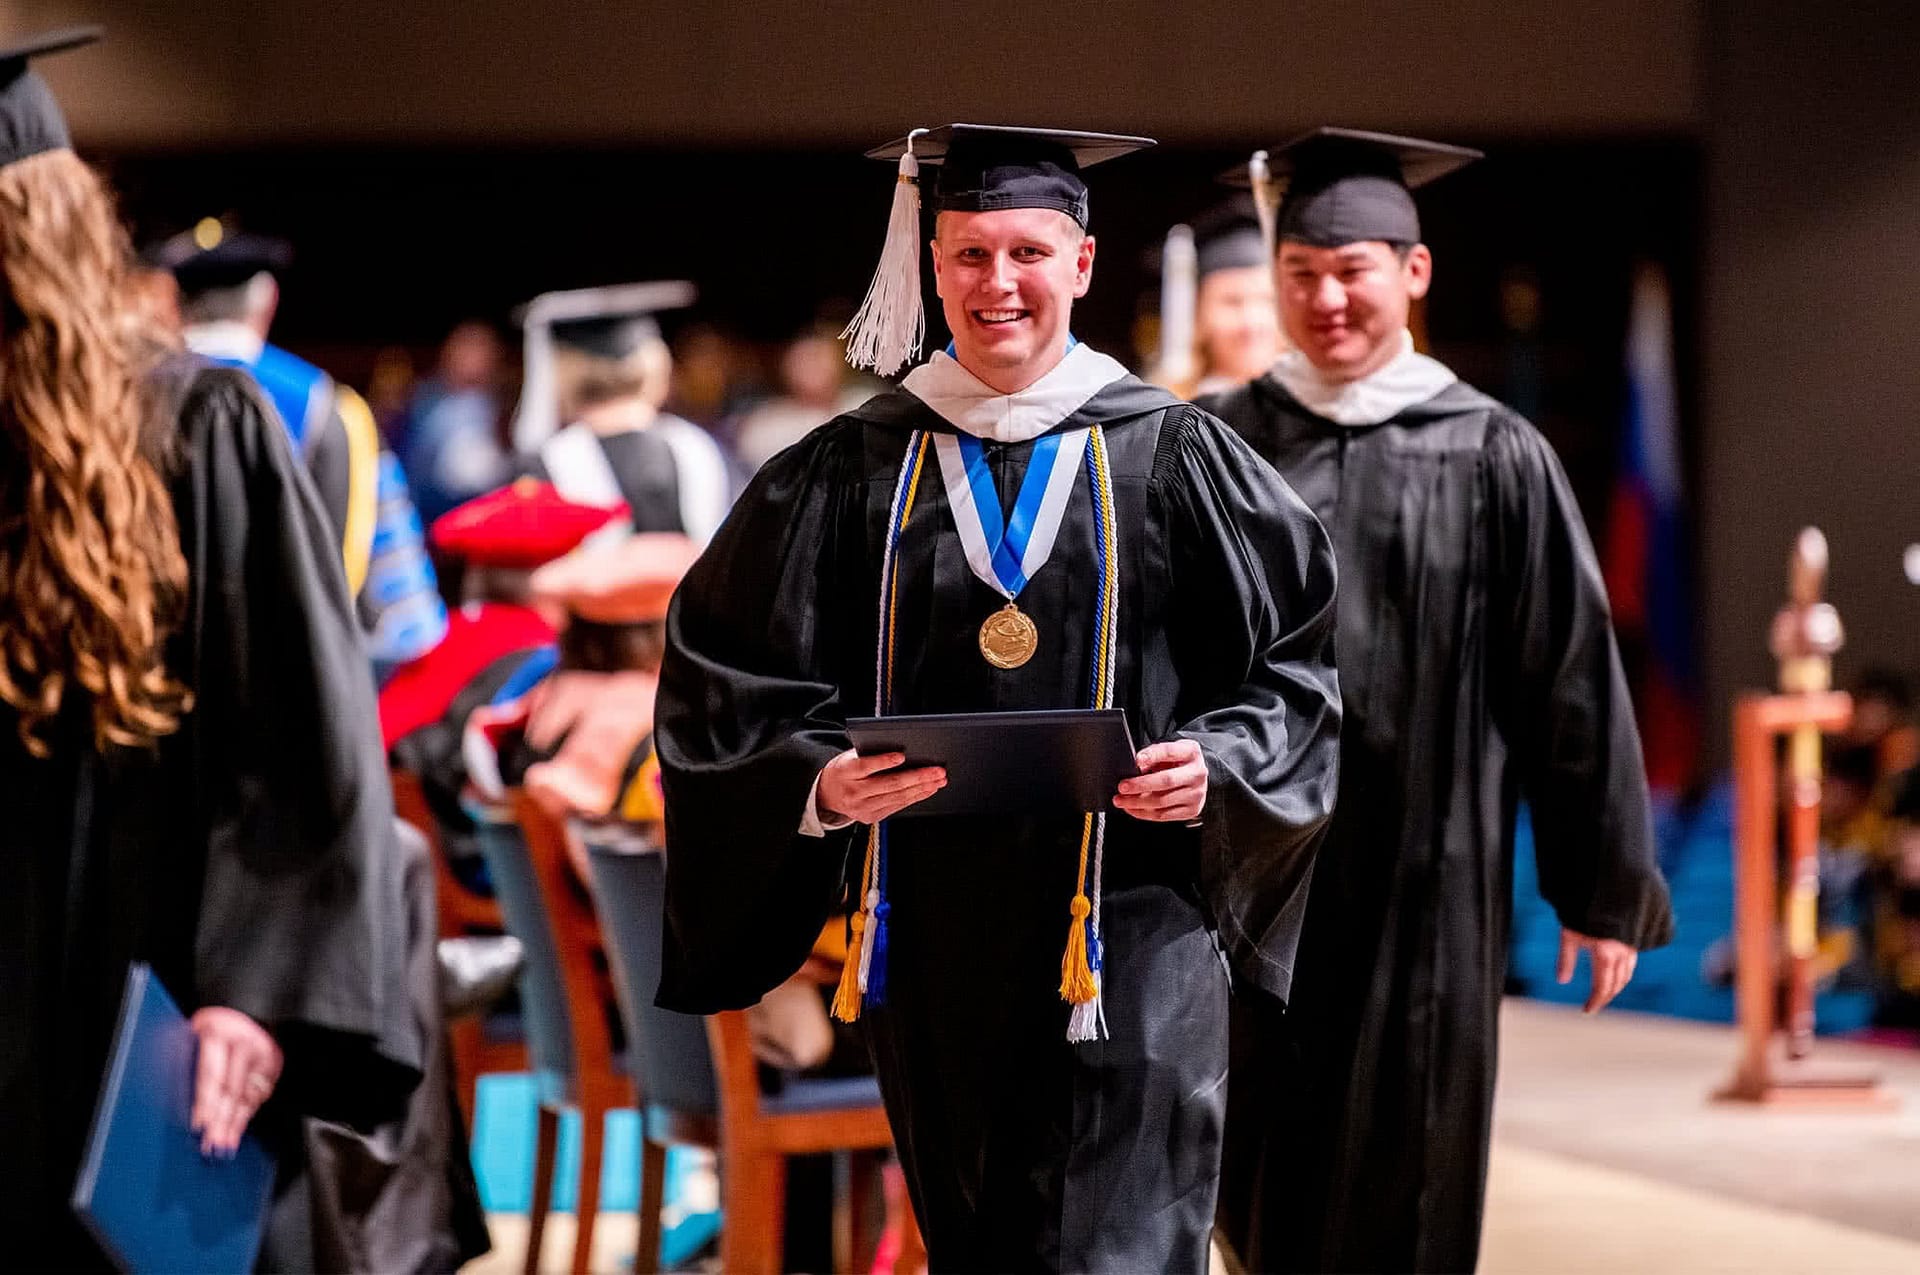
(190, 774)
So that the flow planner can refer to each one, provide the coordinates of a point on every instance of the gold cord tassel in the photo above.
(1077, 985)
(1076, 975)
(846, 998)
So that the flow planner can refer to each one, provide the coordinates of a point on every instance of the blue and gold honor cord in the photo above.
(863, 981)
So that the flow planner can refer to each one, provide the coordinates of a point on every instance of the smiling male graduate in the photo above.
(1478, 665)
(1020, 525)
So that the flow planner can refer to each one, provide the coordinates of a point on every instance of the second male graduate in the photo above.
(1478, 664)
(1020, 525)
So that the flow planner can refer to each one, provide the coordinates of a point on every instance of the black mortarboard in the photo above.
(1338, 186)
(608, 323)
(30, 120)
(1227, 237)
(983, 168)
(214, 255)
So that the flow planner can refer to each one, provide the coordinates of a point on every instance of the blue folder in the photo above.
(145, 1191)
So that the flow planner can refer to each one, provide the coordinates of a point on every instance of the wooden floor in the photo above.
(1609, 1158)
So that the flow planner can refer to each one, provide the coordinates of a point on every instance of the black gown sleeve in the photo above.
(748, 714)
(302, 920)
(1562, 703)
(1253, 608)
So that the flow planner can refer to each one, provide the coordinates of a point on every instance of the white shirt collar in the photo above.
(968, 404)
(1408, 378)
(225, 339)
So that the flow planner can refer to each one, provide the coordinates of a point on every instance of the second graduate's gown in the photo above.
(1022, 1151)
(1478, 665)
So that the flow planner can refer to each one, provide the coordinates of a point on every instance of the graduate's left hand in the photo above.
(1172, 785)
(1612, 963)
(238, 1066)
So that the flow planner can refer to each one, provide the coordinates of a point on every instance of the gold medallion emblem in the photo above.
(1008, 638)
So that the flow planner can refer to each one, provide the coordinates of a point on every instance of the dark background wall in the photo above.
(1812, 321)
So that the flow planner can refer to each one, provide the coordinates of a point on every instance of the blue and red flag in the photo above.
(1646, 557)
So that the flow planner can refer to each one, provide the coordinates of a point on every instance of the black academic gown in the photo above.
(249, 857)
(1022, 1151)
(1478, 665)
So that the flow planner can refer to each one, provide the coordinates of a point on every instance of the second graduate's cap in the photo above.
(608, 323)
(30, 119)
(1338, 186)
(982, 168)
(213, 254)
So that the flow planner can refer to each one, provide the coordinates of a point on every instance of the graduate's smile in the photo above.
(1007, 281)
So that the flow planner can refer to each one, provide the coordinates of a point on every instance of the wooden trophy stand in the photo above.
(1775, 1068)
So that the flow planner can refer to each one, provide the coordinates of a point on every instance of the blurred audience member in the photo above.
(452, 449)
(1883, 721)
(815, 386)
(1897, 918)
(228, 297)
(590, 418)
(497, 645)
(390, 389)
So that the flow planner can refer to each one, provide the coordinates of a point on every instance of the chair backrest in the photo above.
(559, 993)
(671, 1061)
(461, 910)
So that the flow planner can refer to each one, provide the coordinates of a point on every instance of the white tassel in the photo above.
(872, 901)
(1087, 1022)
(1179, 290)
(538, 416)
(1266, 197)
(887, 330)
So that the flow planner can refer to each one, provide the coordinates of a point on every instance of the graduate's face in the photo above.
(1236, 322)
(1344, 308)
(1007, 281)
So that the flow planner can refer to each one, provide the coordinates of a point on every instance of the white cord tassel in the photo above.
(887, 330)
(1266, 197)
(538, 416)
(1179, 291)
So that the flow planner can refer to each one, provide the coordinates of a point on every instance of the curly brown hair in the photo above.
(91, 573)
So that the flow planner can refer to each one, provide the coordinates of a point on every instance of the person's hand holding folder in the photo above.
(868, 789)
(1171, 786)
(237, 1068)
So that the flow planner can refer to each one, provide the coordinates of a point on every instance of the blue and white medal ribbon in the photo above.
(1006, 552)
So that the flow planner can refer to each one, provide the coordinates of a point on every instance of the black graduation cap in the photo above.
(215, 255)
(608, 323)
(30, 120)
(985, 167)
(1337, 186)
(982, 168)
(1227, 237)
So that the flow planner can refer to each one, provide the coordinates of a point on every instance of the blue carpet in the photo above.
(505, 1119)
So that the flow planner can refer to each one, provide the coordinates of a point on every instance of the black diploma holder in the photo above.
(1057, 761)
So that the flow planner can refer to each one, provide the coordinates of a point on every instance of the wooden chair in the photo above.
(700, 1086)
(563, 996)
(462, 912)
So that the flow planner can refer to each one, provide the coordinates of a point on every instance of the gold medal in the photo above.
(1008, 638)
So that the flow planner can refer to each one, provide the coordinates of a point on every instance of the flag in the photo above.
(1647, 559)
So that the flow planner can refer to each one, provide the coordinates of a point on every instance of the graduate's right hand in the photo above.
(239, 1065)
(869, 789)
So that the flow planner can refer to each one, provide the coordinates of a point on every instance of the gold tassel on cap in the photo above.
(887, 330)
